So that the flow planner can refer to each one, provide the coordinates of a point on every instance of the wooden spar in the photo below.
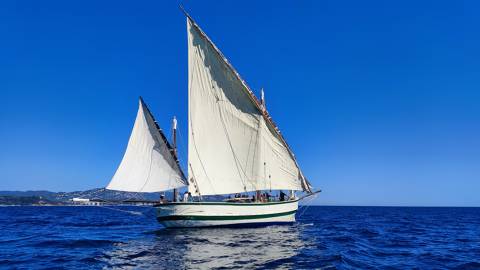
(174, 142)
(306, 185)
(310, 194)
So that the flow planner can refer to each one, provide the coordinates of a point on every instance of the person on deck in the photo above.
(292, 195)
(282, 196)
(185, 196)
(162, 199)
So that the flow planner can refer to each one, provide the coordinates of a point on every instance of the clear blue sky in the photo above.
(380, 100)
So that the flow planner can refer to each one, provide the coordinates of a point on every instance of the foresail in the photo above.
(148, 164)
(233, 144)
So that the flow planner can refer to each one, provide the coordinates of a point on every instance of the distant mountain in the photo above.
(29, 193)
(26, 200)
(63, 197)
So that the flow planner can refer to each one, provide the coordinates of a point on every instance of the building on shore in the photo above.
(82, 201)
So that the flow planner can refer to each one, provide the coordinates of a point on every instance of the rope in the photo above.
(120, 210)
(180, 146)
(307, 205)
(95, 196)
(129, 195)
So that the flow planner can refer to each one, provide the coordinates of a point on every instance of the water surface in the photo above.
(323, 238)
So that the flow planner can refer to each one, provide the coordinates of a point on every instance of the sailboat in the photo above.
(234, 147)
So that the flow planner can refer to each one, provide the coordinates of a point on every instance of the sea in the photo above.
(324, 237)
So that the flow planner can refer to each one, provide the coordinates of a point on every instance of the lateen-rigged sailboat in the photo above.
(233, 147)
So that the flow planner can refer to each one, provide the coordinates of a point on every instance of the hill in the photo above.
(48, 197)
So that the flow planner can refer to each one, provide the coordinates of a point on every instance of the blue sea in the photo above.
(323, 238)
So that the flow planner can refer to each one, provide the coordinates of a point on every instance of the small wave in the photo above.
(90, 224)
(368, 233)
(81, 243)
(122, 265)
(468, 266)
(20, 239)
(138, 255)
(463, 240)
(343, 239)
(90, 260)
(33, 222)
(247, 241)
(9, 264)
(60, 260)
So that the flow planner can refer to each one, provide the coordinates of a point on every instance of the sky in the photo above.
(379, 100)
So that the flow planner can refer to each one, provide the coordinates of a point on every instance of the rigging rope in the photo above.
(120, 210)
(95, 195)
(181, 146)
(129, 195)
(306, 206)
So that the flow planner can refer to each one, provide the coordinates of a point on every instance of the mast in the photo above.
(262, 100)
(262, 105)
(174, 150)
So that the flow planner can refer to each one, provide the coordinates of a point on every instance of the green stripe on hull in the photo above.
(225, 203)
(167, 218)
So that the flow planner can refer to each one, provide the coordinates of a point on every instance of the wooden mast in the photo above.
(174, 142)
(262, 106)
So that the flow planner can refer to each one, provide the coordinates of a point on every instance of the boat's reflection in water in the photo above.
(241, 247)
(208, 248)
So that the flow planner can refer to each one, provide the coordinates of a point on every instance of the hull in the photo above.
(204, 214)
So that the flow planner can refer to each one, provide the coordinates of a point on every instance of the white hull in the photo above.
(203, 214)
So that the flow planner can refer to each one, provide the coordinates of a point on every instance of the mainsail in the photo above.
(149, 164)
(234, 146)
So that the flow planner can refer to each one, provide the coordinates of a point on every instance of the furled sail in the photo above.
(149, 164)
(233, 144)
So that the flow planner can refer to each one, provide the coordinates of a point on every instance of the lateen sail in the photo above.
(233, 144)
(148, 164)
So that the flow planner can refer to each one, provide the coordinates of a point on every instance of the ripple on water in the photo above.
(80, 243)
(323, 238)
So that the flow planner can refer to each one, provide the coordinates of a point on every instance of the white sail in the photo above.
(233, 144)
(148, 164)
